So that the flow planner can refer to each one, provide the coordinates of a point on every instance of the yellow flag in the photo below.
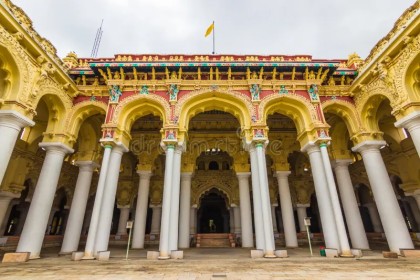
(209, 30)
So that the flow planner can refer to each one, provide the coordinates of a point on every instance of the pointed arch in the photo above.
(297, 108)
(80, 112)
(411, 77)
(137, 106)
(369, 110)
(346, 111)
(16, 61)
(200, 101)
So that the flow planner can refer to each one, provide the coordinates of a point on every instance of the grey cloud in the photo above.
(324, 28)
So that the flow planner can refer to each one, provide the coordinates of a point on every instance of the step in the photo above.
(215, 243)
(213, 236)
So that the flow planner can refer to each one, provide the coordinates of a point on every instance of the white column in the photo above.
(287, 209)
(236, 219)
(392, 219)
(176, 180)
(164, 250)
(94, 218)
(374, 217)
(335, 201)
(265, 202)
(185, 210)
(193, 219)
(273, 216)
(139, 230)
(301, 211)
(351, 208)
(108, 199)
(11, 122)
(156, 214)
(122, 221)
(42, 200)
(78, 207)
(329, 228)
(256, 199)
(245, 204)
(5, 199)
(411, 122)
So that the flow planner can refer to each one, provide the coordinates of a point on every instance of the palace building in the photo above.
(208, 150)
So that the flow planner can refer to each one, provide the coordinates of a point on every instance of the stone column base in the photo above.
(77, 256)
(257, 254)
(16, 257)
(281, 253)
(177, 255)
(103, 256)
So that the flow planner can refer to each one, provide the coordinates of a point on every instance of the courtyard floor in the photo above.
(215, 263)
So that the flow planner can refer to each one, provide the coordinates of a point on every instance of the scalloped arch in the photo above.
(346, 111)
(80, 112)
(411, 77)
(369, 109)
(136, 106)
(15, 58)
(227, 101)
(297, 108)
(205, 190)
(57, 112)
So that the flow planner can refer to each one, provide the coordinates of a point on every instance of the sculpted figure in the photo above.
(117, 75)
(311, 75)
(331, 81)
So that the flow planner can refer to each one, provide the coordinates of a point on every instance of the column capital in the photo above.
(282, 174)
(186, 175)
(369, 145)
(155, 206)
(144, 174)
(56, 147)
(111, 143)
(303, 205)
(86, 165)
(310, 148)
(413, 194)
(341, 162)
(15, 119)
(410, 121)
(274, 204)
(8, 195)
(243, 175)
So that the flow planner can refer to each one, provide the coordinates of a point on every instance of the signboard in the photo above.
(307, 221)
(129, 224)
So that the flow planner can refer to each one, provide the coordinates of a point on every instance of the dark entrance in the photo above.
(213, 215)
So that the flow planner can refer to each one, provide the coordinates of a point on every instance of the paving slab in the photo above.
(208, 263)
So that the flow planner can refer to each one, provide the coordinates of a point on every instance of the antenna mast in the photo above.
(97, 41)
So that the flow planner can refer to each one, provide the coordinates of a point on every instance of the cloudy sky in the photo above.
(322, 28)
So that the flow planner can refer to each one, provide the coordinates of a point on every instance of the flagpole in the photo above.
(213, 37)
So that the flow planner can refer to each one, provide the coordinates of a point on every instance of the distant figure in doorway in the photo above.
(212, 226)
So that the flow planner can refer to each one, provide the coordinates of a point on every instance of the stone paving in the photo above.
(213, 264)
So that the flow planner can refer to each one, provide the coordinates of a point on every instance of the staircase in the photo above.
(215, 240)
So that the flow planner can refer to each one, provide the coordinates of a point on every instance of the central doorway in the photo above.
(213, 214)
